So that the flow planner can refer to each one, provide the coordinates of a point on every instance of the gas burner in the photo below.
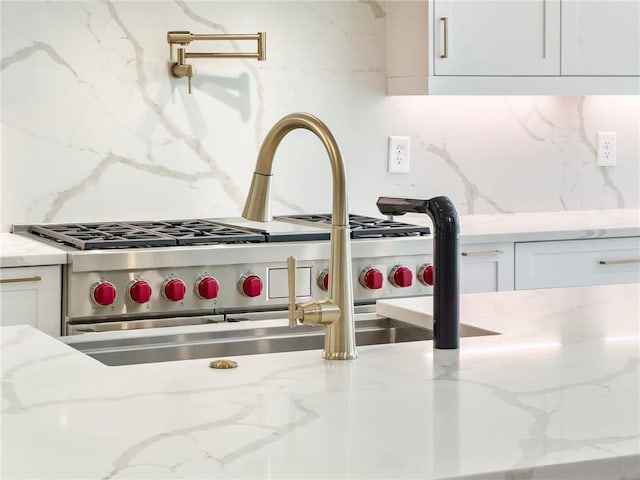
(364, 227)
(95, 236)
(197, 232)
(92, 236)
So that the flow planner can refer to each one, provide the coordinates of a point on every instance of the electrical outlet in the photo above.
(398, 155)
(606, 149)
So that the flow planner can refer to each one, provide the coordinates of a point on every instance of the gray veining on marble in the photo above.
(37, 47)
(108, 162)
(472, 192)
(124, 461)
(523, 120)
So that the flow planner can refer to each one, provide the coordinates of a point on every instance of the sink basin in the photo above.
(253, 340)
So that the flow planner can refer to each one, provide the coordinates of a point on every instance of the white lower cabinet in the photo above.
(486, 267)
(568, 263)
(32, 296)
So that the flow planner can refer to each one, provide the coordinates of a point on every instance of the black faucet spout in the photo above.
(446, 294)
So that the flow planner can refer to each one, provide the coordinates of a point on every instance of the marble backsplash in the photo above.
(95, 129)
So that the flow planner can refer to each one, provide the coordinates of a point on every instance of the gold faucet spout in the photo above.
(258, 205)
(340, 331)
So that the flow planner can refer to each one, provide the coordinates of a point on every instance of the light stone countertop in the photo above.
(539, 226)
(20, 251)
(555, 395)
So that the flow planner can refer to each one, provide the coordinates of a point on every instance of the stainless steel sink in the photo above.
(253, 340)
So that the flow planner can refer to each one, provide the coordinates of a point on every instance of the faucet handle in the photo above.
(291, 276)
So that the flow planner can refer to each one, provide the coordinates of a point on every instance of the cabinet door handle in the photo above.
(486, 253)
(445, 28)
(619, 262)
(544, 28)
(36, 278)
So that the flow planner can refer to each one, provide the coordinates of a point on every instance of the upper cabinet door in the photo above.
(473, 37)
(601, 37)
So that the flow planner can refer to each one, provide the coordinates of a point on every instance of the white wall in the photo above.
(94, 128)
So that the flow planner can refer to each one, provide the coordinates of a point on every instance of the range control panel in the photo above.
(222, 288)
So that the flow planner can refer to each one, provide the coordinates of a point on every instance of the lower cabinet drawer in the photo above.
(569, 263)
(32, 296)
(486, 267)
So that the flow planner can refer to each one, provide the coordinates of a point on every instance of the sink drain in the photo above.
(220, 364)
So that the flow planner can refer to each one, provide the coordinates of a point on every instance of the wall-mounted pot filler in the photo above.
(182, 38)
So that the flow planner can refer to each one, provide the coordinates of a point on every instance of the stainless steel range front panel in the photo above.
(266, 261)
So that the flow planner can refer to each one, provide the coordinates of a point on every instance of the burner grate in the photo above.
(94, 236)
(148, 234)
(193, 232)
(365, 227)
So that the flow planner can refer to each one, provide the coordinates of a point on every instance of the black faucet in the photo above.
(446, 314)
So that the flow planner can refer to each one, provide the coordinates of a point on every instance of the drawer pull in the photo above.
(619, 262)
(487, 253)
(37, 278)
(544, 28)
(445, 27)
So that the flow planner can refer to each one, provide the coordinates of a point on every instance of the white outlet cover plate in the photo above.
(398, 154)
(606, 149)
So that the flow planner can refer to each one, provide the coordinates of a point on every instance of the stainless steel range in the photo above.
(125, 275)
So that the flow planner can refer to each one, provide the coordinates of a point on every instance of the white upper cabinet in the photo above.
(496, 37)
(506, 47)
(601, 37)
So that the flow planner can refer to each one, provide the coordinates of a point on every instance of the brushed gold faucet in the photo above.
(336, 312)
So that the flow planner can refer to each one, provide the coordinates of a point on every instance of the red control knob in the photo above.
(401, 277)
(104, 293)
(426, 274)
(175, 290)
(323, 280)
(140, 291)
(371, 278)
(251, 286)
(207, 288)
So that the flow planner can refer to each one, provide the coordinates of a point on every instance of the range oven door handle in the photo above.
(122, 325)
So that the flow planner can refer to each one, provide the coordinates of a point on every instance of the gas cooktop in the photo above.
(168, 233)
